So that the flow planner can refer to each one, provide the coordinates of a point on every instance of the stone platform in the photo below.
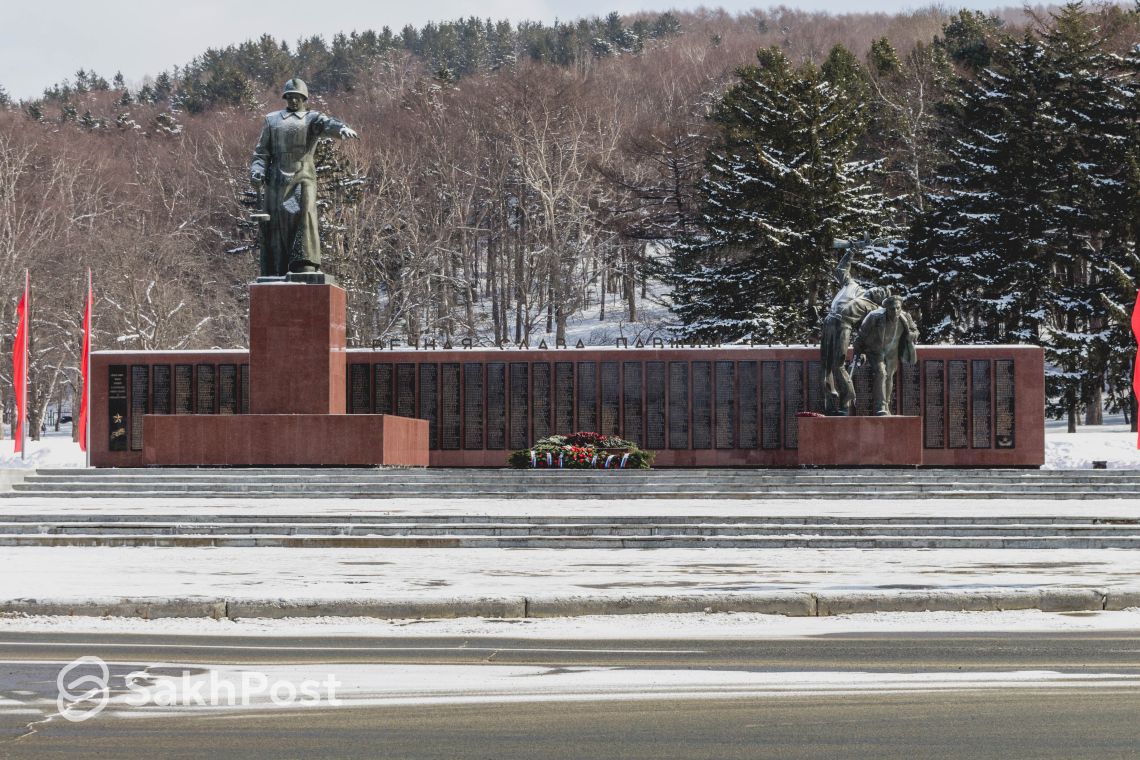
(285, 440)
(860, 441)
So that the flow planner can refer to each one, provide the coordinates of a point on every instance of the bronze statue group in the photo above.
(883, 333)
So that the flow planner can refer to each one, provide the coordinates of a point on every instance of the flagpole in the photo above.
(86, 401)
(27, 365)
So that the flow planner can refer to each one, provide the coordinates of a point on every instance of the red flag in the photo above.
(20, 368)
(84, 364)
(1136, 369)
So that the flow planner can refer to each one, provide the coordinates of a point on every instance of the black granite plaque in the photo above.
(382, 388)
(981, 404)
(227, 389)
(702, 405)
(162, 389)
(749, 408)
(429, 401)
(957, 404)
(140, 403)
(678, 405)
(814, 391)
(563, 398)
(910, 389)
(863, 379)
(183, 388)
(793, 402)
(633, 405)
(449, 406)
(496, 405)
(117, 408)
(934, 408)
(1004, 419)
(405, 390)
(770, 405)
(245, 389)
(611, 399)
(893, 401)
(520, 405)
(207, 395)
(725, 404)
(540, 400)
(655, 405)
(473, 405)
(359, 389)
(587, 396)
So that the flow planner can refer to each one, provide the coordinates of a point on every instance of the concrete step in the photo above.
(526, 483)
(437, 475)
(504, 483)
(584, 542)
(437, 494)
(585, 489)
(504, 529)
(791, 521)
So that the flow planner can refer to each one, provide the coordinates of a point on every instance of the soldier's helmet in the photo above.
(296, 86)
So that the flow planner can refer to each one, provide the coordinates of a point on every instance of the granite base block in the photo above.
(860, 441)
(298, 440)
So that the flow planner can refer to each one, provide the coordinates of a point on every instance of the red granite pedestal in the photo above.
(296, 349)
(296, 413)
(243, 440)
(860, 441)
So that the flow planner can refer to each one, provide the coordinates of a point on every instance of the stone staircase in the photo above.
(567, 532)
(438, 483)
(28, 519)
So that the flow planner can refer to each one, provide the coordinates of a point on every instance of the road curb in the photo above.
(786, 603)
(146, 609)
(794, 604)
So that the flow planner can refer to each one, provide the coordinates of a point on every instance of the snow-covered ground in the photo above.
(299, 575)
(1112, 443)
(713, 625)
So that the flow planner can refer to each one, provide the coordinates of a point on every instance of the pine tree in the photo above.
(779, 187)
(1087, 195)
(980, 247)
(1117, 263)
(1025, 232)
(970, 37)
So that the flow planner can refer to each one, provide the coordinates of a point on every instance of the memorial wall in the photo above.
(722, 406)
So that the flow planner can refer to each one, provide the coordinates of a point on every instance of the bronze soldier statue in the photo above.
(283, 166)
(885, 336)
(851, 304)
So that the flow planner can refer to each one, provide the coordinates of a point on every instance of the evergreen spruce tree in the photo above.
(1089, 193)
(1116, 265)
(1025, 232)
(980, 253)
(779, 187)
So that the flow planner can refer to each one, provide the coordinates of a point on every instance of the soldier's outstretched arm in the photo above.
(330, 127)
(843, 269)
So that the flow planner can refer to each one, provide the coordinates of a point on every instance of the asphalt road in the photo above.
(1094, 714)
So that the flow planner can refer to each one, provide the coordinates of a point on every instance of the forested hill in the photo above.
(662, 174)
(235, 75)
